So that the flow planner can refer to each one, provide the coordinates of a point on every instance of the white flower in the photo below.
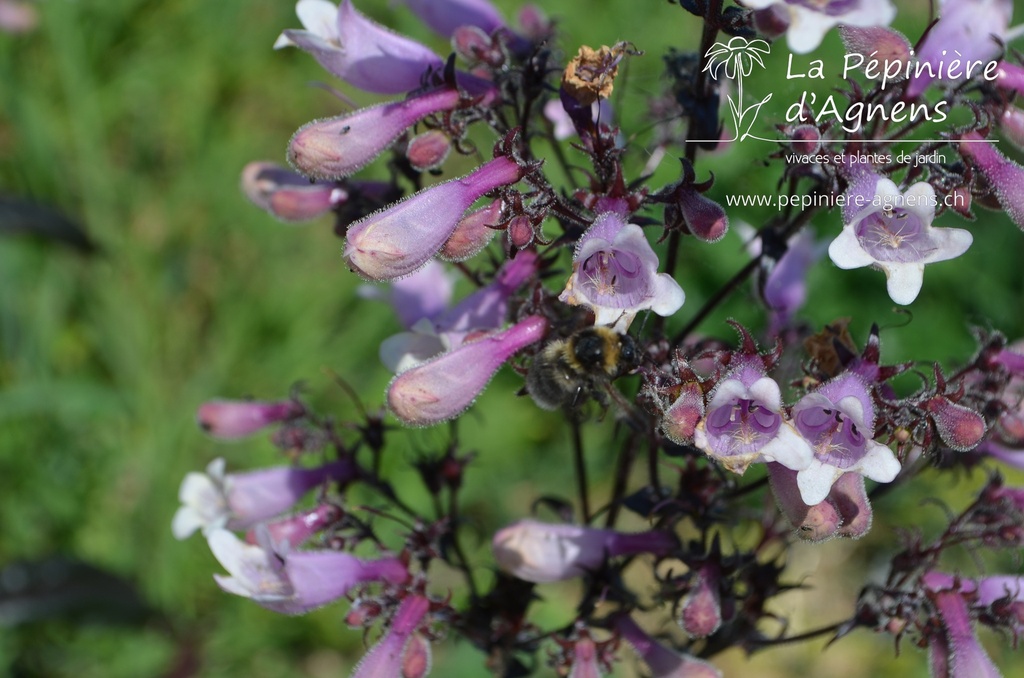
(893, 232)
(809, 20)
(204, 502)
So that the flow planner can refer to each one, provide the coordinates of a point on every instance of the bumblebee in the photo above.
(568, 371)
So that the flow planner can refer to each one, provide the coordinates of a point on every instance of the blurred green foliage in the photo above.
(135, 118)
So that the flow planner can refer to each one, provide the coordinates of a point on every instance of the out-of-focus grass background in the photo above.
(134, 118)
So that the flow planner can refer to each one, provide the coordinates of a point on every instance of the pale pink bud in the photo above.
(297, 529)
(586, 660)
(520, 232)
(663, 662)
(337, 147)
(1010, 76)
(961, 428)
(288, 195)
(1012, 125)
(429, 150)
(700, 612)
(240, 418)
(880, 44)
(681, 417)
(1006, 176)
(417, 659)
(806, 138)
(703, 217)
(543, 552)
(443, 387)
(398, 240)
(472, 234)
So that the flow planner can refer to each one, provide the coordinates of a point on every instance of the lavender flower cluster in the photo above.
(818, 410)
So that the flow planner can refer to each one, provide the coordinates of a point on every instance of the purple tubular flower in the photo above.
(966, 657)
(1006, 176)
(334, 148)
(838, 421)
(543, 552)
(288, 195)
(483, 310)
(744, 423)
(445, 386)
(400, 239)
(231, 419)
(359, 51)
(813, 523)
(296, 582)
(424, 295)
(663, 662)
(240, 500)
(964, 31)
(389, 657)
(615, 272)
(785, 288)
(444, 16)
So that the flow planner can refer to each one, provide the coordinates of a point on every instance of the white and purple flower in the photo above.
(809, 20)
(615, 273)
(892, 231)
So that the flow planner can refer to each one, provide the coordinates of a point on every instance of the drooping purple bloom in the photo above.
(810, 20)
(231, 419)
(892, 231)
(445, 386)
(544, 552)
(968, 30)
(966, 657)
(295, 582)
(484, 310)
(389, 658)
(744, 423)
(615, 273)
(358, 50)
(400, 239)
(444, 16)
(334, 148)
(845, 511)
(838, 422)
(239, 500)
(1005, 176)
(662, 662)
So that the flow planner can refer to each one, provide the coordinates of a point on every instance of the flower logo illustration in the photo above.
(736, 60)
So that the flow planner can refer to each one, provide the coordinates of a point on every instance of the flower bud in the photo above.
(520, 232)
(398, 240)
(239, 418)
(429, 150)
(288, 195)
(806, 139)
(389, 657)
(543, 552)
(1005, 176)
(337, 147)
(443, 387)
(297, 529)
(700, 612)
(1011, 122)
(700, 216)
(1010, 77)
(472, 234)
(813, 523)
(681, 417)
(961, 428)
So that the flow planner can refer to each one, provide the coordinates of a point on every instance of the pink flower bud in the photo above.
(961, 428)
(1006, 176)
(806, 138)
(288, 195)
(520, 232)
(1012, 125)
(398, 240)
(681, 417)
(417, 659)
(297, 529)
(337, 147)
(703, 217)
(240, 418)
(443, 387)
(1010, 77)
(586, 659)
(813, 523)
(878, 43)
(429, 150)
(700, 612)
(543, 552)
(472, 234)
